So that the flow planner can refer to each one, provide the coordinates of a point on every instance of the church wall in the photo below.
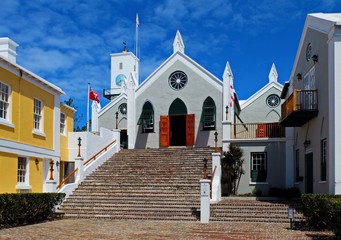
(258, 111)
(108, 118)
(161, 96)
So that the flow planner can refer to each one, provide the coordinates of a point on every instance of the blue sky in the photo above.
(68, 42)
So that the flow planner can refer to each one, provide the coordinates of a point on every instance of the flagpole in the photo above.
(137, 45)
(87, 110)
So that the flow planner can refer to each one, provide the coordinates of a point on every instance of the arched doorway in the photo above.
(177, 128)
(177, 120)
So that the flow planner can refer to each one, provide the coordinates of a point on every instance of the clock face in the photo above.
(308, 52)
(273, 101)
(119, 79)
(123, 108)
(177, 80)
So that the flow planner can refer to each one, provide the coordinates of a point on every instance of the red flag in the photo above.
(231, 93)
(94, 95)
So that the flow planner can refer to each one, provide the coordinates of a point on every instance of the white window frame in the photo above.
(62, 123)
(6, 102)
(264, 164)
(40, 114)
(23, 178)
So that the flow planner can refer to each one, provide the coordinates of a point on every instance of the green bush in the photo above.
(19, 209)
(323, 211)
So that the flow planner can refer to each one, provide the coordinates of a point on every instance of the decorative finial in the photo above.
(125, 47)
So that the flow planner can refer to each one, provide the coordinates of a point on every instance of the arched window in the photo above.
(208, 115)
(146, 119)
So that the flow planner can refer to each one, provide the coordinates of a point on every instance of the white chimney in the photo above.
(8, 49)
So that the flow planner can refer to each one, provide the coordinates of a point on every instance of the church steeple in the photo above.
(273, 75)
(178, 44)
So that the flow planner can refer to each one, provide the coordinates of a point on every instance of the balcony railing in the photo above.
(299, 108)
(257, 130)
(109, 93)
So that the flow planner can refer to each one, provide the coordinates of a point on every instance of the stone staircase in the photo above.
(154, 184)
(268, 210)
(161, 184)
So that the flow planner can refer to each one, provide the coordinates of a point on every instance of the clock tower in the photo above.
(122, 66)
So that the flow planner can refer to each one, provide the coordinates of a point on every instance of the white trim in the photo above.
(6, 123)
(64, 123)
(190, 63)
(8, 109)
(40, 128)
(112, 103)
(260, 93)
(26, 150)
(38, 132)
(31, 77)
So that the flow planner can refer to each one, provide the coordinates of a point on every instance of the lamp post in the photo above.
(227, 112)
(51, 170)
(205, 168)
(79, 146)
(116, 120)
(216, 142)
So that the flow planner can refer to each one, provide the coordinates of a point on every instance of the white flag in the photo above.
(137, 20)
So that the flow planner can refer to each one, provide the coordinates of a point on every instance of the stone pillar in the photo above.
(204, 200)
(216, 181)
(117, 136)
(226, 135)
(80, 172)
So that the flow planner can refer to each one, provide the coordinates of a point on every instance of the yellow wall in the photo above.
(21, 112)
(36, 175)
(8, 172)
(64, 151)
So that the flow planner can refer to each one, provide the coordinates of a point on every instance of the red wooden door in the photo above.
(164, 131)
(190, 122)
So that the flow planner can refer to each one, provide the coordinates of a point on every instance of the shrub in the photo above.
(323, 211)
(19, 209)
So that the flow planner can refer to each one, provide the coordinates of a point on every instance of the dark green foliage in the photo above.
(323, 211)
(18, 209)
(232, 169)
(285, 192)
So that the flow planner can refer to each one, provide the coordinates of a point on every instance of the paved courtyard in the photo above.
(98, 229)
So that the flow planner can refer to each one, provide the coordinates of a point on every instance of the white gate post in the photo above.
(216, 181)
(204, 200)
(80, 172)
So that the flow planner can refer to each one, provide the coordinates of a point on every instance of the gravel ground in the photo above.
(70, 229)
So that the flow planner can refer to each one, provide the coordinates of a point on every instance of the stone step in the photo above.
(161, 184)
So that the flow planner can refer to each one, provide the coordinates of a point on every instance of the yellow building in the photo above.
(33, 128)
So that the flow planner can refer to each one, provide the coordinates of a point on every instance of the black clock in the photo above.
(123, 108)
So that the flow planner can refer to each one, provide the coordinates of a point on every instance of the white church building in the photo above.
(181, 104)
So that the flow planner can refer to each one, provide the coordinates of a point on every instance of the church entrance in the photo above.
(177, 128)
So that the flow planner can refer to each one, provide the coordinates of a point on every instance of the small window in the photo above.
(323, 176)
(4, 101)
(38, 108)
(208, 114)
(146, 120)
(62, 123)
(297, 165)
(22, 170)
(121, 66)
(258, 167)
